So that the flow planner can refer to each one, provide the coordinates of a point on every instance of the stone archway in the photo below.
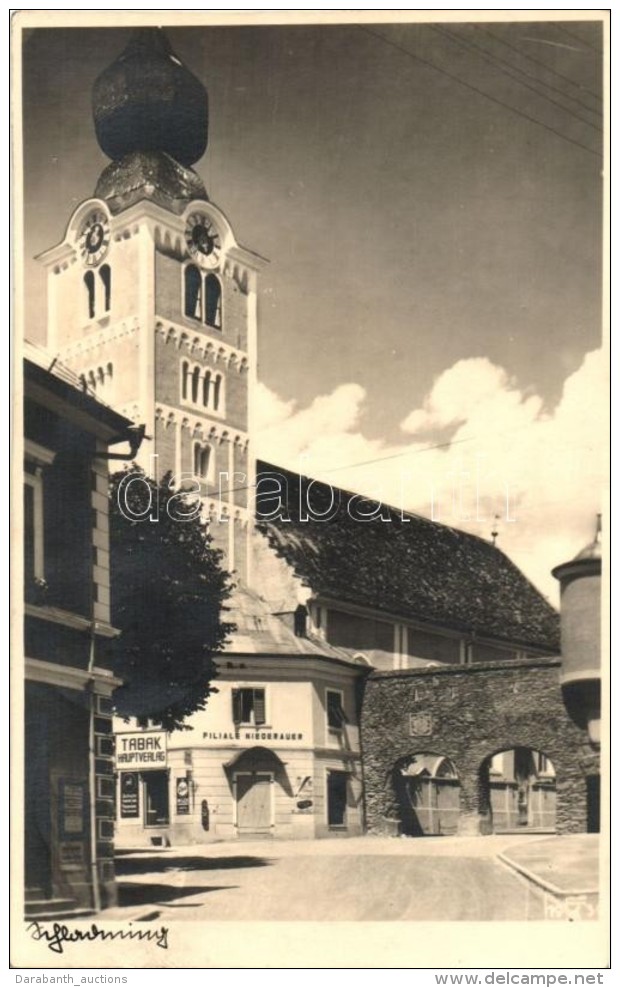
(427, 791)
(517, 791)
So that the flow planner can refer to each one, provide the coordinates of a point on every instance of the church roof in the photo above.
(260, 632)
(410, 567)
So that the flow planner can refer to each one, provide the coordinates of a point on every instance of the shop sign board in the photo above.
(141, 750)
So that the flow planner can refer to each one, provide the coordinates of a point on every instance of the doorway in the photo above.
(593, 797)
(428, 791)
(518, 791)
(156, 799)
(254, 802)
(337, 799)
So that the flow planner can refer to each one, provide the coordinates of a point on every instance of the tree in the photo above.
(168, 597)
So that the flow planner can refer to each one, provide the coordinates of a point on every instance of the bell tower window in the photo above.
(213, 301)
(193, 292)
(217, 389)
(206, 385)
(202, 387)
(195, 384)
(106, 281)
(89, 281)
(184, 379)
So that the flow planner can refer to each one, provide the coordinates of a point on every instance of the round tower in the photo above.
(580, 595)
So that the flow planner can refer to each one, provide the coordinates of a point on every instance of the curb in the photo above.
(542, 883)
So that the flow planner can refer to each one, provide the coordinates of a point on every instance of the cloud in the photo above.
(478, 447)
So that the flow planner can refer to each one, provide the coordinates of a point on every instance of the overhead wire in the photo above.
(575, 37)
(548, 68)
(475, 89)
(497, 63)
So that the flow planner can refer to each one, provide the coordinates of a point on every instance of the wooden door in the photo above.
(448, 806)
(253, 803)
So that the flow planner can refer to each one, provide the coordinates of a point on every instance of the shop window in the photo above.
(213, 301)
(248, 706)
(337, 799)
(156, 801)
(193, 292)
(336, 717)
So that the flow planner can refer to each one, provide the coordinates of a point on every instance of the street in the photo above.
(448, 878)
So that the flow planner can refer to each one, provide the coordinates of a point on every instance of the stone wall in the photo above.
(467, 714)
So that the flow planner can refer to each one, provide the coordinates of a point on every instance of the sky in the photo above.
(429, 197)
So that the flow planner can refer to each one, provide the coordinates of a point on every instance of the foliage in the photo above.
(168, 598)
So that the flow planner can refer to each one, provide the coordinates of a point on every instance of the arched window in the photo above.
(195, 384)
(202, 461)
(89, 281)
(213, 301)
(184, 377)
(217, 391)
(206, 386)
(106, 280)
(193, 292)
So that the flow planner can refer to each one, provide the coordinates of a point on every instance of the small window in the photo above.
(206, 386)
(248, 706)
(89, 281)
(202, 461)
(195, 384)
(217, 391)
(184, 379)
(213, 301)
(106, 280)
(193, 292)
(33, 528)
(336, 717)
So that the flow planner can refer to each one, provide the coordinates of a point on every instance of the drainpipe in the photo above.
(92, 780)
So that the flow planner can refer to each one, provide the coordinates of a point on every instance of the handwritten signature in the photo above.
(60, 934)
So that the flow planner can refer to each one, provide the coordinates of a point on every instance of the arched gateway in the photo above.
(427, 792)
(478, 749)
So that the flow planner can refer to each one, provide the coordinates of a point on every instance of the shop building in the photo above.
(275, 754)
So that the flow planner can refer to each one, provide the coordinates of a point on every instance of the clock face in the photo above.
(94, 237)
(203, 239)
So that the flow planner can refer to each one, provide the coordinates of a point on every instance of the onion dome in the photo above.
(150, 175)
(147, 100)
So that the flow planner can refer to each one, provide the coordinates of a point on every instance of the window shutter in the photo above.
(236, 706)
(259, 707)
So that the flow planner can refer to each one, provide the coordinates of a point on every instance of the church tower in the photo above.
(151, 300)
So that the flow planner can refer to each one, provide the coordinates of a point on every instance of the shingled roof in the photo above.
(408, 566)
